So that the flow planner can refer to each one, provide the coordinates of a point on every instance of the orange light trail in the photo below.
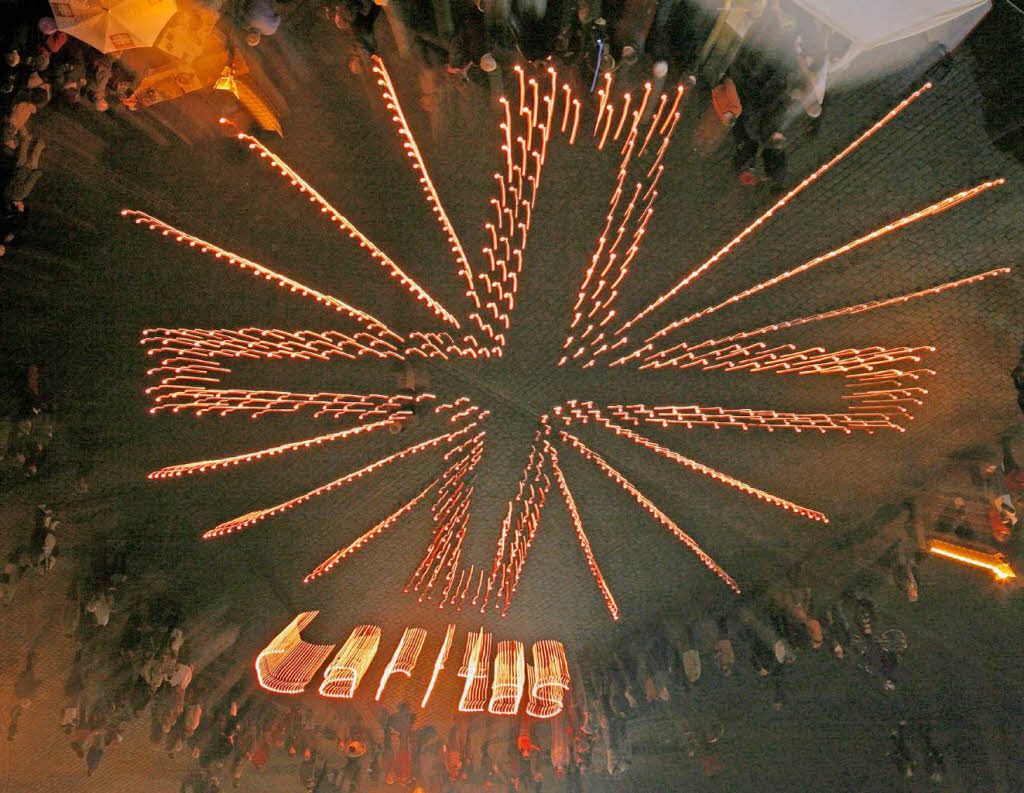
(265, 272)
(690, 416)
(575, 120)
(995, 563)
(680, 90)
(442, 657)
(404, 659)
(786, 359)
(654, 123)
(346, 225)
(259, 403)
(550, 680)
(509, 679)
(858, 308)
(771, 211)
(523, 516)
(642, 500)
(610, 108)
(256, 343)
(700, 468)
(344, 674)
(640, 110)
(413, 151)
(244, 521)
(450, 517)
(581, 535)
(626, 97)
(287, 664)
(201, 466)
(331, 562)
(934, 209)
(603, 94)
(476, 667)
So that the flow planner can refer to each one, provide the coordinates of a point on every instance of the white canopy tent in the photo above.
(885, 32)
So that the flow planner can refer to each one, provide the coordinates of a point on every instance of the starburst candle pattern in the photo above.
(879, 384)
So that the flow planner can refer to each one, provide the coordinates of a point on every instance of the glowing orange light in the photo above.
(175, 398)
(995, 563)
(509, 679)
(921, 214)
(346, 225)
(404, 659)
(442, 657)
(550, 680)
(858, 308)
(655, 120)
(331, 561)
(626, 98)
(725, 479)
(372, 322)
(346, 671)
(211, 465)
(476, 667)
(243, 521)
(256, 343)
(287, 664)
(773, 209)
(522, 520)
(577, 522)
(746, 419)
(643, 501)
(391, 99)
(575, 120)
(639, 114)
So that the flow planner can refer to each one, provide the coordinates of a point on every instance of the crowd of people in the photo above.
(26, 429)
(43, 67)
(765, 63)
(767, 635)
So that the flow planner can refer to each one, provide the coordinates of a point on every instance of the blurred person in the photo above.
(15, 129)
(723, 44)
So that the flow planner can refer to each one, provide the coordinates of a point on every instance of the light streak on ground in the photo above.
(374, 324)
(550, 680)
(690, 416)
(995, 563)
(413, 152)
(589, 454)
(347, 226)
(858, 308)
(581, 535)
(287, 663)
(929, 211)
(509, 679)
(404, 659)
(476, 668)
(331, 561)
(789, 196)
(202, 466)
(706, 470)
(344, 674)
(442, 658)
(244, 521)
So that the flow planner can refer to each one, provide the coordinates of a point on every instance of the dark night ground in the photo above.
(110, 280)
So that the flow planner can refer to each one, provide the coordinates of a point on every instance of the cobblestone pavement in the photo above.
(337, 135)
